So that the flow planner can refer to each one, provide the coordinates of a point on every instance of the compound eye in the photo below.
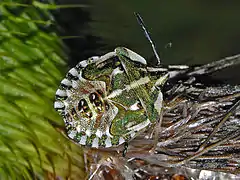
(84, 109)
(82, 105)
(93, 97)
(96, 101)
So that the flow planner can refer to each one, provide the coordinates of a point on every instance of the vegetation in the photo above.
(32, 59)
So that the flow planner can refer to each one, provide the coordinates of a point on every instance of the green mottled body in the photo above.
(108, 100)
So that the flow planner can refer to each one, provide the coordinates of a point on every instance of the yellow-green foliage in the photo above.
(32, 60)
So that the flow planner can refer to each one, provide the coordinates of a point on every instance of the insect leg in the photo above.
(125, 149)
(157, 129)
(105, 57)
(95, 59)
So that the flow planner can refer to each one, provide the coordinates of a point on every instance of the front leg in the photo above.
(157, 109)
(158, 106)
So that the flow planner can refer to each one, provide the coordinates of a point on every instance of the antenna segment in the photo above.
(147, 34)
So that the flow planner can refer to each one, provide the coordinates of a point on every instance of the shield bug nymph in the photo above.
(106, 101)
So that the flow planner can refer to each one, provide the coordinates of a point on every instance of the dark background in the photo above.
(200, 31)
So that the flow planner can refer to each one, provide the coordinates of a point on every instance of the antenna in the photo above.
(147, 34)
